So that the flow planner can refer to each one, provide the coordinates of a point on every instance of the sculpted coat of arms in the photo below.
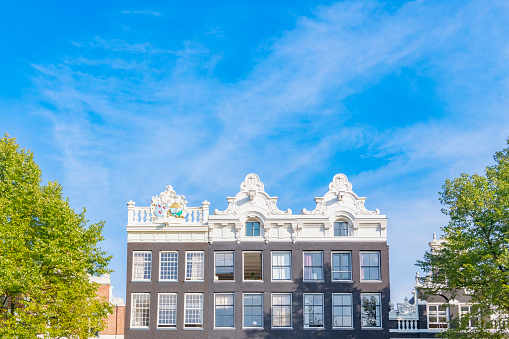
(168, 203)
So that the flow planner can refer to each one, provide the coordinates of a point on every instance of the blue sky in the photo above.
(118, 99)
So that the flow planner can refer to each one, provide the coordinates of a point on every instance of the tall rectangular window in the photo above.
(252, 229)
(142, 265)
(340, 229)
(313, 310)
(167, 310)
(253, 310)
(282, 310)
(469, 312)
(168, 264)
(282, 265)
(194, 266)
(223, 312)
(224, 265)
(437, 316)
(253, 266)
(342, 310)
(193, 310)
(313, 266)
(341, 266)
(371, 312)
(370, 265)
(140, 310)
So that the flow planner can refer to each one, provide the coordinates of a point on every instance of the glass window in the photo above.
(167, 310)
(342, 266)
(252, 229)
(193, 310)
(437, 316)
(224, 310)
(340, 229)
(469, 312)
(253, 310)
(313, 310)
(282, 310)
(194, 266)
(342, 310)
(252, 265)
(168, 263)
(371, 313)
(313, 266)
(282, 265)
(140, 309)
(224, 266)
(370, 266)
(142, 264)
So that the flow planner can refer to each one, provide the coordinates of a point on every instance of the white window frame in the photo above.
(342, 305)
(461, 313)
(304, 310)
(259, 228)
(379, 297)
(161, 267)
(222, 252)
(272, 311)
(171, 308)
(272, 265)
(215, 306)
(304, 266)
(134, 308)
(143, 264)
(332, 266)
(186, 308)
(437, 315)
(243, 272)
(199, 279)
(243, 312)
(379, 265)
(338, 222)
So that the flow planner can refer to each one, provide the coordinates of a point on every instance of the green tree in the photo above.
(474, 254)
(47, 254)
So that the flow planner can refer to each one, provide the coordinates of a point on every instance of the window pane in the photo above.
(370, 266)
(313, 310)
(140, 309)
(142, 265)
(167, 309)
(371, 315)
(313, 266)
(341, 266)
(281, 310)
(281, 266)
(224, 310)
(194, 265)
(252, 266)
(253, 310)
(224, 266)
(193, 310)
(168, 266)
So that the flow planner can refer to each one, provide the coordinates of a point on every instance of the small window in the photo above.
(193, 310)
(194, 266)
(253, 310)
(140, 310)
(370, 266)
(371, 312)
(282, 310)
(342, 266)
(167, 310)
(252, 229)
(223, 312)
(313, 310)
(340, 229)
(313, 266)
(224, 266)
(437, 316)
(142, 265)
(282, 265)
(468, 312)
(341, 310)
(168, 264)
(253, 266)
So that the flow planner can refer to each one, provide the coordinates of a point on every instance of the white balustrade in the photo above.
(142, 216)
(408, 325)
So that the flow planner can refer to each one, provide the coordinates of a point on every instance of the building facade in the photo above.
(114, 328)
(256, 271)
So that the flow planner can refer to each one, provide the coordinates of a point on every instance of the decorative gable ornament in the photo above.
(168, 204)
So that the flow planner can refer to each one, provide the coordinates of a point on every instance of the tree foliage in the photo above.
(47, 254)
(474, 253)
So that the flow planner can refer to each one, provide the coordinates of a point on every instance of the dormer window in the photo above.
(252, 229)
(341, 229)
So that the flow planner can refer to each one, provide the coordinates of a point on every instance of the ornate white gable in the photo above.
(252, 197)
(340, 197)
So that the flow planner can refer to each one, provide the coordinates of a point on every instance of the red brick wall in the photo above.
(115, 321)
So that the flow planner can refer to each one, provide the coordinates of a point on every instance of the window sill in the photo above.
(314, 328)
(252, 328)
(139, 328)
(142, 281)
(173, 328)
(165, 281)
(371, 281)
(193, 328)
(223, 328)
(281, 328)
(194, 281)
(342, 281)
(255, 281)
(372, 328)
(342, 328)
(313, 281)
(282, 280)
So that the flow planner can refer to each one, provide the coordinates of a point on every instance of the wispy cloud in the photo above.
(143, 12)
